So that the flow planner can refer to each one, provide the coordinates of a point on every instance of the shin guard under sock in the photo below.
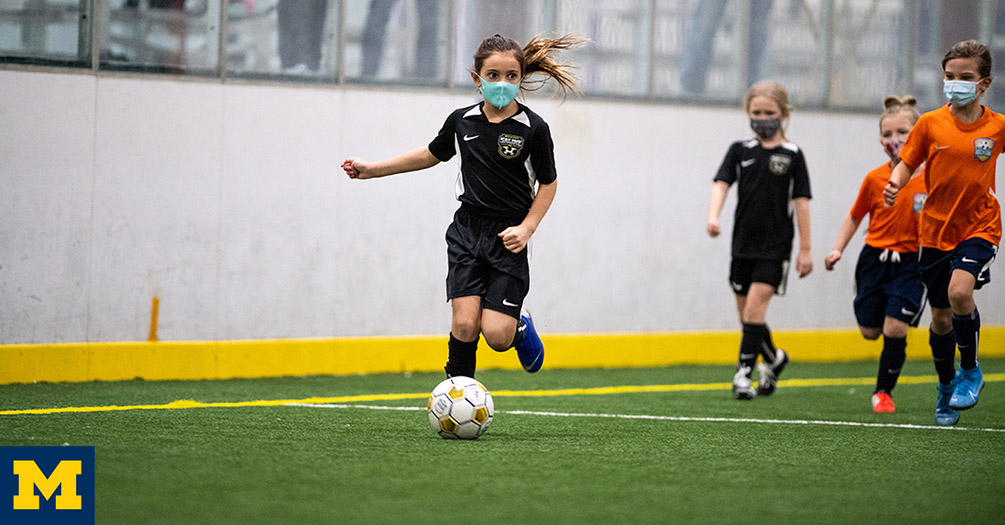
(890, 363)
(461, 357)
(967, 328)
(943, 355)
(750, 344)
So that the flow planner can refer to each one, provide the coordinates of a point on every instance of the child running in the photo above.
(506, 184)
(961, 220)
(890, 295)
(772, 178)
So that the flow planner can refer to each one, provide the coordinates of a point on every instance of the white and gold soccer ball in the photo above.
(460, 408)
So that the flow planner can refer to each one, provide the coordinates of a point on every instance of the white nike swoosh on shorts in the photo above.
(509, 304)
(967, 260)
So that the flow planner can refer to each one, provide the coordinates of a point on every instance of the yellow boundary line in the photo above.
(184, 404)
(167, 360)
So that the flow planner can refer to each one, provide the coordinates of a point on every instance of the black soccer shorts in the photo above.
(478, 264)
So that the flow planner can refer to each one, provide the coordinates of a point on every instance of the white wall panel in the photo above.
(46, 158)
(158, 148)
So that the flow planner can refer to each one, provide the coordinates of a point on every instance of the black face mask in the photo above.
(766, 128)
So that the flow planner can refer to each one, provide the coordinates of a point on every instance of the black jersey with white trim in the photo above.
(500, 163)
(769, 179)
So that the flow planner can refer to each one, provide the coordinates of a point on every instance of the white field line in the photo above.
(677, 418)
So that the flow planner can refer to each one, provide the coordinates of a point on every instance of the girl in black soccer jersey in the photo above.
(506, 184)
(772, 177)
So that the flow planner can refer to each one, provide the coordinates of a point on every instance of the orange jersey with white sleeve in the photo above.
(890, 227)
(959, 176)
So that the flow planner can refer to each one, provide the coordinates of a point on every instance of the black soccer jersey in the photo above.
(768, 181)
(500, 163)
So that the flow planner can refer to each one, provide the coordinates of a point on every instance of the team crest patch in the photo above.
(510, 145)
(983, 148)
(779, 164)
(919, 202)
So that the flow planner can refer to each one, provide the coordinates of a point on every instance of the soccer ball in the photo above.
(460, 408)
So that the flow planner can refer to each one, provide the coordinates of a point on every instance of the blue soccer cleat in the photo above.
(944, 414)
(969, 387)
(530, 350)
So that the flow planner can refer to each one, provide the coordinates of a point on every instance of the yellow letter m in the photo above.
(30, 476)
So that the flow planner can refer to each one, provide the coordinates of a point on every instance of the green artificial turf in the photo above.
(296, 464)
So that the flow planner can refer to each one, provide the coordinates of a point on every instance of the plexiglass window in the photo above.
(172, 36)
(296, 39)
(616, 61)
(397, 40)
(45, 31)
(829, 54)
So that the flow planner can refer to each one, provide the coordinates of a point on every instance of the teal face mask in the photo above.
(499, 94)
(959, 92)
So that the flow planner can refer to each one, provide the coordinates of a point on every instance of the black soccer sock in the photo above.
(750, 344)
(768, 350)
(968, 329)
(944, 355)
(461, 357)
(891, 360)
(521, 329)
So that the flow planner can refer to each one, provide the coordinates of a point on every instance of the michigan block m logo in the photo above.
(46, 485)
(30, 476)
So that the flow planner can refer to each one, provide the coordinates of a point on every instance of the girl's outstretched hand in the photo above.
(355, 168)
(515, 238)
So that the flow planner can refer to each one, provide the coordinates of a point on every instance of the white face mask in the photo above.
(959, 92)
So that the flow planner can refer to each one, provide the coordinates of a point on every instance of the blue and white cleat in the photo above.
(968, 388)
(944, 414)
(531, 349)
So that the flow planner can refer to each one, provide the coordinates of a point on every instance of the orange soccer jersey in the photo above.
(959, 176)
(890, 227)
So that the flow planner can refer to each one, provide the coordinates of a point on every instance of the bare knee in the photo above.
(498, 338)
(894, 328)
(465, 328)
(869, 333)
(498, 330)
(961, 298)
(942, 320)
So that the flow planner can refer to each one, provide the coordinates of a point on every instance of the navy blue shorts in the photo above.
(479, 264)
(743, 271)
(888, 284)
(972, 255)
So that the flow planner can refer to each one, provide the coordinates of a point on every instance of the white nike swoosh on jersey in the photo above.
(470, 137)
(905, 311)
(967, 260)
(748, 162)
(507, 303)
(941, 147)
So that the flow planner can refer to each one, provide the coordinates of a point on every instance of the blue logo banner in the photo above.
(46, 485)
